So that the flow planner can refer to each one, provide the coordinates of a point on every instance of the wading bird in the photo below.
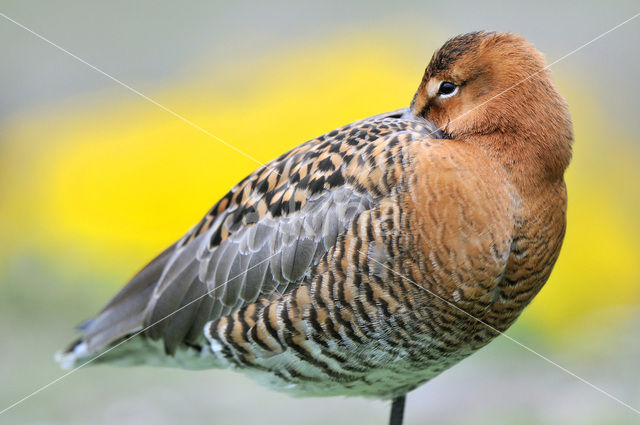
(370, 259)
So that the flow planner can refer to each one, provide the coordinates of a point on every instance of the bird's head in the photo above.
(495, 89)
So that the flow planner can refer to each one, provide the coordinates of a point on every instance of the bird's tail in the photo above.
(121, 318)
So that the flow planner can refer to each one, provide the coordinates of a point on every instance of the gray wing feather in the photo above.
(182, 320)
(256, 275)
(195, 283)
(201, 317)
(233, 287)
(297, 259)
(164, 304)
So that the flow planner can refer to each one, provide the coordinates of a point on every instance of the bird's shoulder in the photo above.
(364, 158)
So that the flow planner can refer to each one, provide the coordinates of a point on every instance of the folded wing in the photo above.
(259, 240)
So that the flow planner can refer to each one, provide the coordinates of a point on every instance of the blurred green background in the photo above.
(95, 180)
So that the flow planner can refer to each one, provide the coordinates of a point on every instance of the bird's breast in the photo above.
(540, 230)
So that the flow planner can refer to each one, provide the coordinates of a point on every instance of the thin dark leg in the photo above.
(397, 411)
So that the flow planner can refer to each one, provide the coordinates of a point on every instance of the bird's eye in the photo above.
(447, 89)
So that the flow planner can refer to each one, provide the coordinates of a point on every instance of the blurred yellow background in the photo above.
(93, 185)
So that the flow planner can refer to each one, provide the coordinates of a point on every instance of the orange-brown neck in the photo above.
(535, 148)
(527, 129)
(530, 164)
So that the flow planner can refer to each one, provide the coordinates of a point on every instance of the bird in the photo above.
(368, 260)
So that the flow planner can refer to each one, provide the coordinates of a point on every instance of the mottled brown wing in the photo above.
(257, 241)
